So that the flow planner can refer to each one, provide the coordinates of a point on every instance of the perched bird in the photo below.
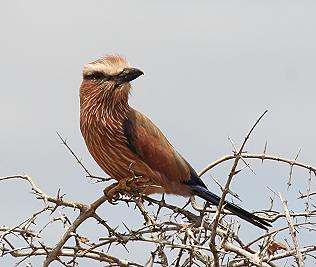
(125, 143)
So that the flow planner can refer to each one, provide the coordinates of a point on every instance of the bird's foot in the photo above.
(113, 191)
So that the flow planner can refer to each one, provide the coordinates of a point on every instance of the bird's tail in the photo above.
(243, 214)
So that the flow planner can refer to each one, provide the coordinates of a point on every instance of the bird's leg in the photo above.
(133, 185)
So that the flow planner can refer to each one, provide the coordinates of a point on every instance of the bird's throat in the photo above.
(98, 108)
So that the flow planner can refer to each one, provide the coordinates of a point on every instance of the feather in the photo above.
(235, 209)
(152, 147)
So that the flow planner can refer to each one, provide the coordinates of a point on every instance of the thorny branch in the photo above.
(232, 173)
(298, 254)
(191, 235)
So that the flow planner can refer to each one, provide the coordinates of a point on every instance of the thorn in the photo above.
(54, 209)
(233, 144)
(264, 150)
(298, 153)
(109, 247)
(126, 227)
(124, 245)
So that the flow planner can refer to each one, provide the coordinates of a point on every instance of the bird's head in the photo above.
(108, 78)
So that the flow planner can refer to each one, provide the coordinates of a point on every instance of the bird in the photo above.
(126, 144)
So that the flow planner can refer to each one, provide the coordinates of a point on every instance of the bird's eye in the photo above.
(95, 76)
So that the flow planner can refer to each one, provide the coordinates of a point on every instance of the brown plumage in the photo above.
(125, 143)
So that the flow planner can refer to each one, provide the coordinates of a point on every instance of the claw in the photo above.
(113, 191)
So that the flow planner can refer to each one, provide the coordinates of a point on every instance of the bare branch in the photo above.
(298, 254)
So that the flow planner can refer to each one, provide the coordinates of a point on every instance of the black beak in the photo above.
(128, 74)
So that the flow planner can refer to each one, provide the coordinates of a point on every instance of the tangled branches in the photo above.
(195, 234)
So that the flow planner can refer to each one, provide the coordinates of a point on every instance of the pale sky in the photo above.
(211, 68)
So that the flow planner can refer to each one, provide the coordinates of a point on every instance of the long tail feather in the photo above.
(214, 199)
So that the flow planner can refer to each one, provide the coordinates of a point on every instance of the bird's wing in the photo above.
(153, 148)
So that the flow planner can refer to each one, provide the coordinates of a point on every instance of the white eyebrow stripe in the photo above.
(109, 65)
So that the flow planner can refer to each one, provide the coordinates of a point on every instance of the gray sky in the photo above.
(211, 68)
